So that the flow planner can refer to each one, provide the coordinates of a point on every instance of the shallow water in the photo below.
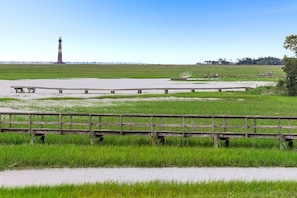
(58, 176)
(7, 91)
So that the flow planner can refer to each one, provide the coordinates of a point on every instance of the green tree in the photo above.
(290, 67)
(291, 43)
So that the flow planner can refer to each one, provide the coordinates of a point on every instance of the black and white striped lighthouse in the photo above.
(60, 52)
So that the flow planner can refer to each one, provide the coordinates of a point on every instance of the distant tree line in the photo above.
(247, 61)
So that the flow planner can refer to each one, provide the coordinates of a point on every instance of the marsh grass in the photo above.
(109, 140)
(70, 155)
(160, 189)
(52, 71)
(225, 103)
(76, 151)
(194, 103)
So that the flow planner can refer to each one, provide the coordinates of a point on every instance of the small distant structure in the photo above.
(269, 74)
(183, 76)
(209, 75)
(60, 52)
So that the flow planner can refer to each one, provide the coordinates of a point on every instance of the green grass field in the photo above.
(13, 72)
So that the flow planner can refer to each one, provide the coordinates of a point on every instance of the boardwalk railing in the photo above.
(32, 89)
(156, 126)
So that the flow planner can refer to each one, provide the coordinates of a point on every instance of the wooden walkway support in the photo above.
(220, 128)
(31, 89)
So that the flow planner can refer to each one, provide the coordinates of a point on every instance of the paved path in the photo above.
(19, 178)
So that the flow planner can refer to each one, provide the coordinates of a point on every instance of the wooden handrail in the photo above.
(156, 125)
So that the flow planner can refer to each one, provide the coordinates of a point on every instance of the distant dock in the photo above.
(32, 89)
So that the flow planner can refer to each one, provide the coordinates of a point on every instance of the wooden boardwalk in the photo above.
(156, 126)
(32, 89)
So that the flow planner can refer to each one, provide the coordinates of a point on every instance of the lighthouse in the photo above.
(60, 52)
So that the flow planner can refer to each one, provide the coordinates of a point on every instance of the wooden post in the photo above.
(246, 127)
(255, 125)
(161, 124)
(121, 124)
(10, 120)
(278, 126)
(215, 135)
(92, 133)
(289, 124)
(31, 89)
(193, 125)
(282, 142)
(225, 124)
(31, 132)
(184, 126)
(32, 136)
(131, 123)
(70, 120)
(61, 123)
(216, 140)
(213, 126)
(99, 122)
(153, 134)
(30, 121)
(41, 119)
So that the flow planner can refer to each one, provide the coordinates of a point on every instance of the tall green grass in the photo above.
(110, 140)
(160, 189)
(69, 155)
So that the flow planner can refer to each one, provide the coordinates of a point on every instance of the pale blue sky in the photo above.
(145, 31)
